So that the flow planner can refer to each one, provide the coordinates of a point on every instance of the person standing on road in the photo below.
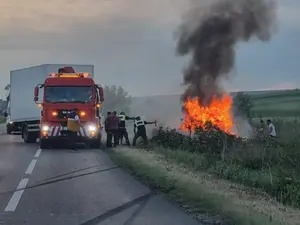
(73, 126)
(140, 130)
(115, 128)
(107, 125)
(122, 127)
(272, 130)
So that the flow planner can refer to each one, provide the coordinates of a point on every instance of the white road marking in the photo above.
(31, 167)
(38, 152)
(22, 184)
(15, 198)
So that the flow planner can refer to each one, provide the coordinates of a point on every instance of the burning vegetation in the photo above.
(210, 34)
(218, 113)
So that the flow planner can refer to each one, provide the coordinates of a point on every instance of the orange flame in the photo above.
(218, 112)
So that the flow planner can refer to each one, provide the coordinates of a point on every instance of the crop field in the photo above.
(284, 103)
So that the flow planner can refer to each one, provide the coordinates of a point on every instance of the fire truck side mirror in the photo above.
(36, 93)
(101, 93)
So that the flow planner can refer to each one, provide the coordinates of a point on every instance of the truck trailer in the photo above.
(41, 97)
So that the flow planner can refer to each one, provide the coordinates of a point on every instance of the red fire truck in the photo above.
(62, 93)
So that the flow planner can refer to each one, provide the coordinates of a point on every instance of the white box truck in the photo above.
(22, 111)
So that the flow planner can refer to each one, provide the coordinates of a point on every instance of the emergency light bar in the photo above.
(70, 75)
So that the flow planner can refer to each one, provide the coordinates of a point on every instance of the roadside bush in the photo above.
(261, 163)
(253, 153)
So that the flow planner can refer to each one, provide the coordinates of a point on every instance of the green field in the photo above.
(283, 103)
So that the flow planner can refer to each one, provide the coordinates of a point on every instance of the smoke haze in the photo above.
(209, 34)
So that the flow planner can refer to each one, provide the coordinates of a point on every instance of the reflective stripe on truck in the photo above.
(54, 131)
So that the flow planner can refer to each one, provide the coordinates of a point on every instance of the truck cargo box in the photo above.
(22, 83)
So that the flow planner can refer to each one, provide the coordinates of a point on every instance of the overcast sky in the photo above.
(131, 43)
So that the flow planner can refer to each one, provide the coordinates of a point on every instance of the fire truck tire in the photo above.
(28, 137)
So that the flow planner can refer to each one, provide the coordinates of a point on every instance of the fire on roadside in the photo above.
(218, 113)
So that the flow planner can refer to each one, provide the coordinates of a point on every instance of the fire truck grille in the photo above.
(63, 113)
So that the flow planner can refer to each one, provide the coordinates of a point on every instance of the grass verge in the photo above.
(263, 163)
(201, 193)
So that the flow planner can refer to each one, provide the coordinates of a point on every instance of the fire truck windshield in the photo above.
(74, 94)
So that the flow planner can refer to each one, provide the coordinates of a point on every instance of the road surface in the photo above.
(60, 187)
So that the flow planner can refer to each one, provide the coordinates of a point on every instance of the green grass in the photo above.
(284, 103)
(276, 94)
(265, 164)
(266, 179)
(274, 113)
(195, 194)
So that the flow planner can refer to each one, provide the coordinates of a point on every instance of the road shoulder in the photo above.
(210, 200)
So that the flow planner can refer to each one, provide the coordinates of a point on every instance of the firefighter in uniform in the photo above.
(122, 127)
(73, 126)
(140, 130)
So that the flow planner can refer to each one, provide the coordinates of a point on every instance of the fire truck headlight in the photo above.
(45, 128)
(92, 128)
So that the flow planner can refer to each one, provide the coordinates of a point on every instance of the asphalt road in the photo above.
(60, 187)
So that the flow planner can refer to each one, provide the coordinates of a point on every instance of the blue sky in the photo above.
(131, 43)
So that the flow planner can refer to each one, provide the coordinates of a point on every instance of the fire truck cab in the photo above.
(62, 93)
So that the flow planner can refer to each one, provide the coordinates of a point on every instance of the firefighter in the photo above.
(122, 127)
(140, 130)
(73, 126)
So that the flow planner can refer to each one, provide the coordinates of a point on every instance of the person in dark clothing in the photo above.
(115, 128)
(107, 127)
(122, 128)
(140, 130)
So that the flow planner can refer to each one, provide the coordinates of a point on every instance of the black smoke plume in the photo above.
(210, 34)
